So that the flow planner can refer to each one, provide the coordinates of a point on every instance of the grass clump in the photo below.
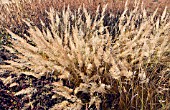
(92, 68)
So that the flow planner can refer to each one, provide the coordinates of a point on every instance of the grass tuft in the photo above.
(126, 69)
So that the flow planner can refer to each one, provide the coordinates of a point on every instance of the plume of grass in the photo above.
(81, 50)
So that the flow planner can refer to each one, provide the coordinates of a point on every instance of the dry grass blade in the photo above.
(25, 91)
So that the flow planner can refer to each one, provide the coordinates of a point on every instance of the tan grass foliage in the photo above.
(34, 10)
(81, 50)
